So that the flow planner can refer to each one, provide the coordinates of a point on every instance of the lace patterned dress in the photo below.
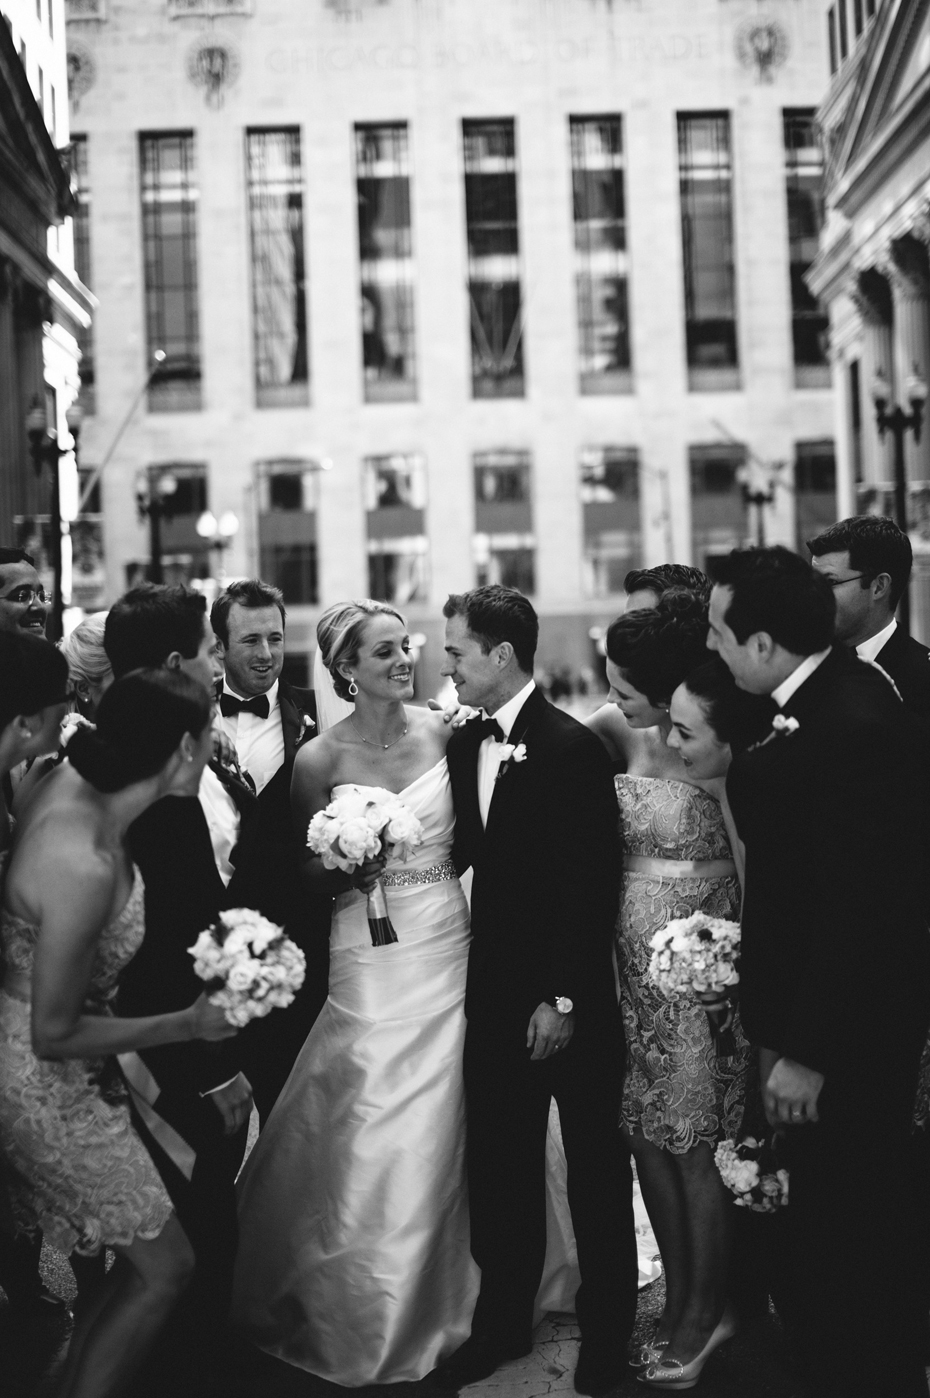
(78, 1169)
(677, 1092)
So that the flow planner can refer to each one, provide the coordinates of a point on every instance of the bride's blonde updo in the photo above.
(339, 634)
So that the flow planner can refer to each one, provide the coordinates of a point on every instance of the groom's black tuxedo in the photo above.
(544, 905)
(835, 974)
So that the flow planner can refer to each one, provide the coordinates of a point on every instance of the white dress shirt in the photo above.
(808, 665)
(222, 819)
(259, 742)
(870, 647)
(489, 753)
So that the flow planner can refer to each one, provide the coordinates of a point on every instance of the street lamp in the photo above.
(758, 481)
(154, 499)
(218, 534)
(45, 450)
(896, 421)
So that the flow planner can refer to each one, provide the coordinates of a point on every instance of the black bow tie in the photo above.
(230, 705)
(490, 728)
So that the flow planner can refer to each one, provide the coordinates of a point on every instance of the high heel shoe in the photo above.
(648, 1354)
(673, 1374)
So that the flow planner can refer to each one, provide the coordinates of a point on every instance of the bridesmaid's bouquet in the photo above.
(700, 954)
(249, 964)
(750, 1170)
(360, 824)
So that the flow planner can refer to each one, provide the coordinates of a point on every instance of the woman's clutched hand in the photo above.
(368, 873)
(209, 1021)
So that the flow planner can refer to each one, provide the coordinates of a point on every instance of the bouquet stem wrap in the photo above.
(379, 924)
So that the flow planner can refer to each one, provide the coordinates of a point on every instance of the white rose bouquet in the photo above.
(359, 825)
(249, 964)
(700, 954)
(750, 1170)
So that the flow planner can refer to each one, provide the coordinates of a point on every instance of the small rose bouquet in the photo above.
(751, 1172)
(360, 824)
(248, 964)
(699, 954)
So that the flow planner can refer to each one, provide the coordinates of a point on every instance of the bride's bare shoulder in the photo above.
(428, 725)
(317, 759)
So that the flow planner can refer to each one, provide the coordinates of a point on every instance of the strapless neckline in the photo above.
(372, 786)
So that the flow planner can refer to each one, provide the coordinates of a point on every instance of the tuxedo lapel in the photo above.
(508, 786)
(292, 719)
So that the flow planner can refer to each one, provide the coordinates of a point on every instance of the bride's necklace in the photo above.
(383, 746)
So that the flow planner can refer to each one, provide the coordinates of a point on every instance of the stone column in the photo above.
(871, 295)
(909, 275)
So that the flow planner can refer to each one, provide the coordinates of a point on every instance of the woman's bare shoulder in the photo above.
(612, 729)
(428, 725)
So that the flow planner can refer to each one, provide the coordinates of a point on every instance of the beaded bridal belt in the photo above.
(433, 873)
(679, 868)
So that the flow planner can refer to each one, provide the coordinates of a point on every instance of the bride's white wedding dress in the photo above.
(354, 1258)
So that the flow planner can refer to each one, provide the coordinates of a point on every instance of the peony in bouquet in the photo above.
(359, 825)
(249, 964)
(750, 1170)
(699, 954)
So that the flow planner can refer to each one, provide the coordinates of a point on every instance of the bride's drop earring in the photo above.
(353, 688)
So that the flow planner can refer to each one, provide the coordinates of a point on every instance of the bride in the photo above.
(354, 1258)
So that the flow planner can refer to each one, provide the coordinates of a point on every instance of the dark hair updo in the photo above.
(140, 722)
(657, 649)
(33, 675)
(736, 717)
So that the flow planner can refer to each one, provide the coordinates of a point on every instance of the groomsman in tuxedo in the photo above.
(835, 970)
(267, 720)
(203, 1093)
(867, 561)
(536, 819)
(263, 716)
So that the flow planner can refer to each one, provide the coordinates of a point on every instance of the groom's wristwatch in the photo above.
(563, 1005)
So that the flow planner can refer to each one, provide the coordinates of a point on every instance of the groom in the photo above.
(536, 819)
(835, 973)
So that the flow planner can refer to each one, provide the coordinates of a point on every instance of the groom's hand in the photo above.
(234, 1103)
(548, 1032)
(791, 1092)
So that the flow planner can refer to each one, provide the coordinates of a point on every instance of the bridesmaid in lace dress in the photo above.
(680, 1099)
(72, 916)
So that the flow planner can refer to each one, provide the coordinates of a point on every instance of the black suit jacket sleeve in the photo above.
(581, 867)
(171, 845)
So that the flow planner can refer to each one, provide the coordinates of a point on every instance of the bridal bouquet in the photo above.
(249, 964)
(700, 954)
(750, 1171)
(361, 824)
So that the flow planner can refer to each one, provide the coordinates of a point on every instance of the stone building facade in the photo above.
(44, 309)
(873, 271)
(451, 290)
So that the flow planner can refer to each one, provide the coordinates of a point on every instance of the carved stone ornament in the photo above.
(213, 64)
(762, 44)
(82, 72)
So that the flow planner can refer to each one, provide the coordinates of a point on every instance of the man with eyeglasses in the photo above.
(24, 603)
(867, 561)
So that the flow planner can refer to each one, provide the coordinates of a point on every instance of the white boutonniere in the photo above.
(782, 726)
(782, 723)
(306, 723)
(510, 752)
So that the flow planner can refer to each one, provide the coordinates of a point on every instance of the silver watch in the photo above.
(563, 1005)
